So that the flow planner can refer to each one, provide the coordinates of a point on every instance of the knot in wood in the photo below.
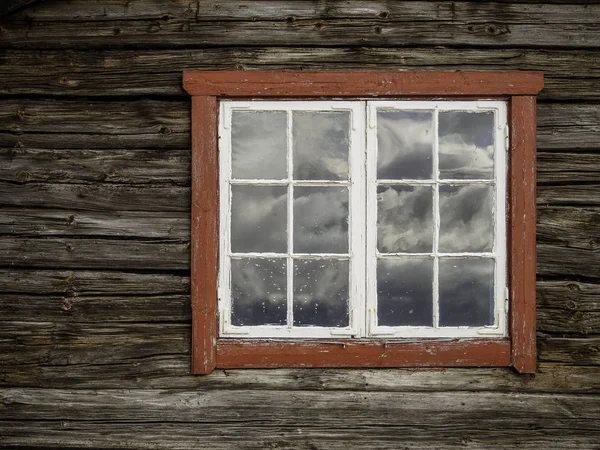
(154, 27)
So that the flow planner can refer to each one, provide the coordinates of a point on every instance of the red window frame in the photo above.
(519, 89)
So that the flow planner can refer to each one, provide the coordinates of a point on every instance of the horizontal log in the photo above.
(21, 165)
(86, 282)
(558, 261)
(568, 307)
(305, 408)
(247, 434)
(51, 344)
(64, 253)
(173, 31)
(73, 308)
(96, 197)
(153, 72)
(86, 10)
(165, 124)
(126, 224)
(568, 168)
(572, 227)
(578, 351)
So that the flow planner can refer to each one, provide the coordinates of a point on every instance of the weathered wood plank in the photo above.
(9, 6)
(305, 408)
(583, 194)
(64, 253)
(569, 227)
(87, 10)
(126, 224)
(579, 351)
(96, 197)
(85, 282)
(48, 343)
(530, 434)
(404, 27)
(568, 168)
(145, 72)
(73, 308)
(19, 165)
(559, 261)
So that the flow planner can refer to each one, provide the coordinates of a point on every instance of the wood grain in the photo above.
(522, 248)
(205, 233)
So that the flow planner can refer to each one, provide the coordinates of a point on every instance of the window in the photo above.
(357, 219)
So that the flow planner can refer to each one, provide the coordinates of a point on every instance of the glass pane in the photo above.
(258, 219)
(466, 292)
(320, 219)
(321, 145)
(404, 219)
(259, 144)
(321, 292)
(466, 220)
(405, 292)
(466, 144)
(404, 145)
(258, 291)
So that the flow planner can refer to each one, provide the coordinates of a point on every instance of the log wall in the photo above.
(95, 216)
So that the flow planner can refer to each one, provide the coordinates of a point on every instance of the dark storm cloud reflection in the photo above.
(404, 145)
(321, 292)
(466, 223)
(258, 291)
(466, 292)
(321, 145)
(466, 141)
(404, 219)
(258, 144)
(259, 219)
(405, 292)
(320, 219)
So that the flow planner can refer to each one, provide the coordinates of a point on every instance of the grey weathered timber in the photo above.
(174, 30)
(95, 226)
(94, 10)
(151, 72)
(287, 435)
(99, 282)
(22, 165)
(165, 124)
(100, 197)
(89, 253)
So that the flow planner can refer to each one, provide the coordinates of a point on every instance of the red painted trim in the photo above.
(522, 233)
(204, 233)
(207, 353)
(241, 353)
(359, 83)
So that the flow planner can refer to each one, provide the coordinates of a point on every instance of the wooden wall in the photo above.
(94, 228)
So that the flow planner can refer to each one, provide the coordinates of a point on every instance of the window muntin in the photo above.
(295, 271)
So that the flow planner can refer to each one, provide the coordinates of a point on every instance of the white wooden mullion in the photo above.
(371, 221)
(501, 303)
(357, 218)
(436, 221)
(224, 282)
(290, 224)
